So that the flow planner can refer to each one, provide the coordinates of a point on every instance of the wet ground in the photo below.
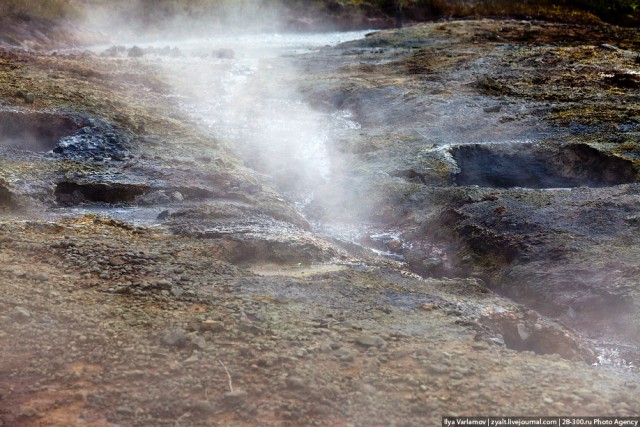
(409, 225)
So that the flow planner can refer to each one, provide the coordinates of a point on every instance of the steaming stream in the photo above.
(239, 88)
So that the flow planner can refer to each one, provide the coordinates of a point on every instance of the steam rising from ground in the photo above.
(153, 19)
(242, 88)
(236, 75)
(246, 102)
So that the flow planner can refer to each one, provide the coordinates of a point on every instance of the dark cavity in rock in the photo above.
(34, 131)
(540, 337)
(533, 166)
(67, 134)
(5, 197)
(71, 194)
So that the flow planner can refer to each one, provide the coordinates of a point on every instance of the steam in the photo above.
(249, 102)
(152, 20)
(236, 75)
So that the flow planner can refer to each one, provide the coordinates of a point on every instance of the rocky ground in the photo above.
(509, 153)
(150, 277)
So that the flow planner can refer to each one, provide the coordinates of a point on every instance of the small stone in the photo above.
(439, 369)
(135, 52)
(303, 351)
(523, 332)
(116, 261)
(124, 410)
(175, 338)
(494, 109)
(21, 314)
(393, 245)
(610, 47)
(27, 97)
(325, 347)
(456, 375)
(344, 355)
(234, 398)
(480, 346)
(224, 53)
(430, 264)
(371, 341)
(295, 382)
(19, 273)
(367, 389)
(177, 196)
(203, 407)
(42, 277)
(199, 342)
(497, 340)
(28, 413)
(163, 285)
(249, 327)
(212, 326)
(264, 362)
(154, 198)
(623, 407)
(583, 394)
(192, 359)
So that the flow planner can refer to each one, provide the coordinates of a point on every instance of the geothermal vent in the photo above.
(34, 131)
(533, 166)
